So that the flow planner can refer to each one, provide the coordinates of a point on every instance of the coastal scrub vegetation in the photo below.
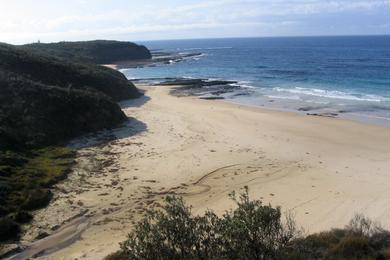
(46, 98)
(251, 231)
(99, 51)
(25, 180)
(70, 74)
(33, 114)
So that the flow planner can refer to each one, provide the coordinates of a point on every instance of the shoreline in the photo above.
(235, 92)
(354, 117)
(362, 119)
(323, 170)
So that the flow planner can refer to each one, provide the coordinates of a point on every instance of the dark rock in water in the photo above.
(242, 94)
(158, 58)
(211, 98)
(345, 111)
(326, 114)
(196, 83)
(169, 58)
(305, 109)
(153, 79)
(201, 87)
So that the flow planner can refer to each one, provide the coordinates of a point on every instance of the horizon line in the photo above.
(210, 38)
(256, 37)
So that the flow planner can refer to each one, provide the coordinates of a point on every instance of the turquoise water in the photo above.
(345, 75)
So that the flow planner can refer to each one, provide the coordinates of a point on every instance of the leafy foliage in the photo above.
(251, 231)
(255, 231)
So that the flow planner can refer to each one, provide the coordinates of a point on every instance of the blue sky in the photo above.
(31, 20)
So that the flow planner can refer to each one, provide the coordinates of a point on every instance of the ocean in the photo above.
(348, 76)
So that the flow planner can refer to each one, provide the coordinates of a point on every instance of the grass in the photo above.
(53, 164)
(25, 181)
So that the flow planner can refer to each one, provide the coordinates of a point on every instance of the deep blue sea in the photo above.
(349, 76)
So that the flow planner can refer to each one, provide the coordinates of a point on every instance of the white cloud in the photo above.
(29, 20)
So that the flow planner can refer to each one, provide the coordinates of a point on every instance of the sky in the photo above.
(25, 21)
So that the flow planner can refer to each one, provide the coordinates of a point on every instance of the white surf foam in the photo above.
(208, 48)
(334, 94)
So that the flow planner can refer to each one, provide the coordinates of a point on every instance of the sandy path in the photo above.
(324, 170)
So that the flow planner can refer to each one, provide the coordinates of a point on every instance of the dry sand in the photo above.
(323, 169)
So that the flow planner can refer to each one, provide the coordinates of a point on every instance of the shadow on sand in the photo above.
(130, 127)
(138, 102)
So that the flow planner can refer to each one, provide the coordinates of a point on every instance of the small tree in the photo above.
(172, 234)
(251, 231)
(254, 230)
(364, 226)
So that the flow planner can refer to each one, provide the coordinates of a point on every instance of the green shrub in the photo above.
(360, 239)
(22, 217)
(252, 231)
(8, 228)
(115, 256)
(352, 247)
(27, 184)
(173, 233)
(37, 199)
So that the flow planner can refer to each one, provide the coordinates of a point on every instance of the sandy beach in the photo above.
(324, 170)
